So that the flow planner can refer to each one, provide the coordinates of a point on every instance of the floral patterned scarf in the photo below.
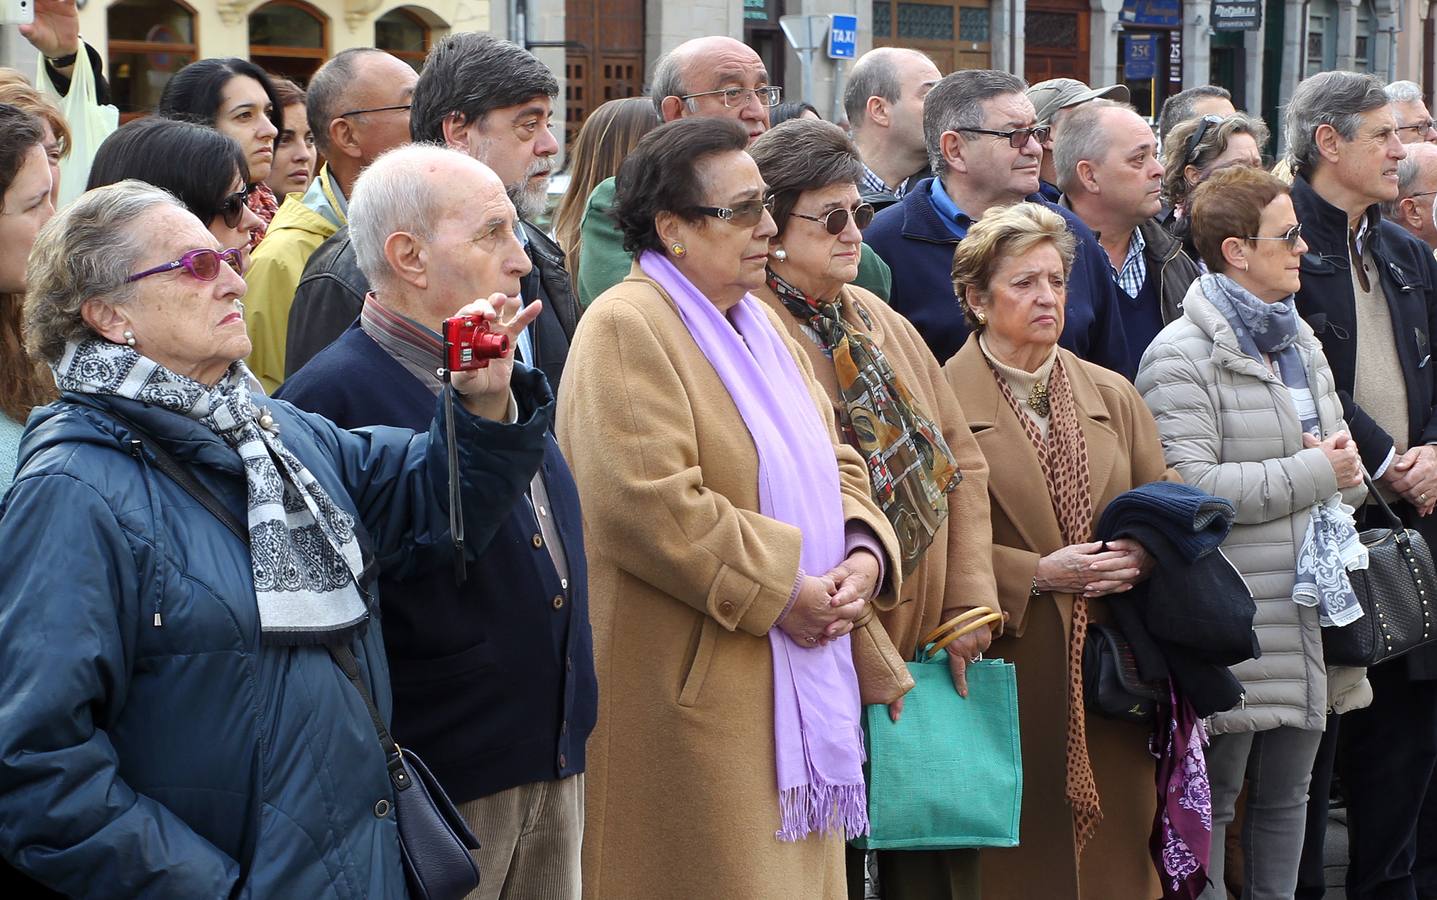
(909, 464)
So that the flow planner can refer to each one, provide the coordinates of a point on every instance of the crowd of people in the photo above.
(777, 399)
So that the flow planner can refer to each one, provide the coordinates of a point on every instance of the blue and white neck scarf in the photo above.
(303, 551)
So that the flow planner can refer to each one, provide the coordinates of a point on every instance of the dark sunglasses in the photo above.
(1018, 137)
(837, 219)
(1206, 124)
(744, 215)
(232, 207)
(204, 264)
(1290, 236)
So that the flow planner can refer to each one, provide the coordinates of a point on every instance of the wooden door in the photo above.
(1056, 40)
(954, 33)
(605, 60)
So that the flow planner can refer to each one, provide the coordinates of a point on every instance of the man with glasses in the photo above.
(1416, 201)
(717, 77)
(1414, 121)
(1108, 168)
(1369, 290)
(984, 148)
(358, 107)
(493, 100)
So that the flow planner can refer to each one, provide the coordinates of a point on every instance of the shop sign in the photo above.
(1140, 57)
(1236, 15)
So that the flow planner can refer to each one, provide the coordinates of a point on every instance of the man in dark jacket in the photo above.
(493, 678)
(1369, 291)
(491, 99)
(981, 139)
(1108, 168)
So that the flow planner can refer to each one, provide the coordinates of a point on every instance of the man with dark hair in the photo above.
(884, 104)
(1369, 290)
(358, 107)
(708, 76)
(493, 100)
(493, 677)
(983, 148)
(1054, 100)
(1108, 168)
(1205, 99)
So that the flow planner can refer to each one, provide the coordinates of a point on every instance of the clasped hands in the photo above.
(828, 604)
(1094, 569)
(1413, 475)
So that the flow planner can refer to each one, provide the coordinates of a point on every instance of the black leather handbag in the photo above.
(1111, 684)
(434, 840)
(1393, 590)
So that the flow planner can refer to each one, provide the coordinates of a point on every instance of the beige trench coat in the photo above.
(686, 578)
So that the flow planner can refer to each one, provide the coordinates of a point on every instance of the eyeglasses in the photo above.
(737, 98)
(1418, 127)
(232, 207)
(1018, 137)
(204, 264)
(835, 220)
(1289, 237)
(744, 215)
(1422, 193)
(1207, 123)
(360, 112)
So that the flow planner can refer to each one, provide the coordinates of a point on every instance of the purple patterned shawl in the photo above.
(1182, 830)
(818, 739)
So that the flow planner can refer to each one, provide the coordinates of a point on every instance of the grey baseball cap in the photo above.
(1060, 93)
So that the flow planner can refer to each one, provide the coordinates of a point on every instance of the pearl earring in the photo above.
(679, 250)
(780, 254)
(130, 337)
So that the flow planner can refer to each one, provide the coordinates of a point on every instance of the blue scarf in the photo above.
(1263, 329)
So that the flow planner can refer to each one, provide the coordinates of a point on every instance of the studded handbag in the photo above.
(1396, 591)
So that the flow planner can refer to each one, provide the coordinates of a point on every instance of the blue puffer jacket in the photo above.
(151, 745)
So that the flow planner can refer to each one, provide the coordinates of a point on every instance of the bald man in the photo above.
(1416, 193)
(712, 76)
(884, 105)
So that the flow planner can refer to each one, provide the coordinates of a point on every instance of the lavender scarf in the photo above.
(818, 739)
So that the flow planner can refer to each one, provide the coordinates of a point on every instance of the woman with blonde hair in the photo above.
(610, 133)
(1063, 437)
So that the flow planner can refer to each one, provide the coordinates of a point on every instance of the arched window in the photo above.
(150, 40)
(289, 38)
(403, 33)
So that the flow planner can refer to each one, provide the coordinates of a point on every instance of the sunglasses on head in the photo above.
(835, 220)
(1206, 124)
(1289, 237)
(744, 215)
(204, 264)
(232, 207)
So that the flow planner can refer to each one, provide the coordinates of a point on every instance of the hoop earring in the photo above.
(780, 254)
(129, 337)
(679, 250)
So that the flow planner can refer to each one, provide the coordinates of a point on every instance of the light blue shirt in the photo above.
(956, 219)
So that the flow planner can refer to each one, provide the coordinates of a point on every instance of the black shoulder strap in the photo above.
(342, 655)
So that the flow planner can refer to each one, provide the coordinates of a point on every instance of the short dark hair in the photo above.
(828, 157)
(791, 109)
(196, 91)
(19, 132)
(471, 73)
(1230, 204)
(196, 164)
(1179, 107)
(662, 175)
(956, 102)
(326, 92)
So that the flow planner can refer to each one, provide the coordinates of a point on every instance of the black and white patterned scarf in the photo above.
(304, 553)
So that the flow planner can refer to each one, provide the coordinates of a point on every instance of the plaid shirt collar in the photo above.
(875, 185)
(1134, 272)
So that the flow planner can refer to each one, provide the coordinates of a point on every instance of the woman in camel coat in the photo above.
(1011, 270)
(694, 590)
(890, 401)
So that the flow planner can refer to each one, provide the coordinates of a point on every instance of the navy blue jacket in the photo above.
(918, 246)
(191, 758)
(493, 680)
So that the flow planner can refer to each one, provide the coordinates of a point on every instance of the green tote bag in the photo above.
(949, 773)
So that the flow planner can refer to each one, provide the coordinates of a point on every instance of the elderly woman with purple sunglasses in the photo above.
(179, 558)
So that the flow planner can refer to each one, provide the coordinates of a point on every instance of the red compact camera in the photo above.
(469, 344)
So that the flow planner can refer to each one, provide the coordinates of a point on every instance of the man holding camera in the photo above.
(493, 678)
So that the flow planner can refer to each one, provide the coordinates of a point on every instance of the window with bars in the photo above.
(1051, 29)
(973, 24)
(925, 21)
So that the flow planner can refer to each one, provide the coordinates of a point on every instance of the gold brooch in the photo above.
(1038, 400)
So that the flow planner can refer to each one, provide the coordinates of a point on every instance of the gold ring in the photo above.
(811, 639)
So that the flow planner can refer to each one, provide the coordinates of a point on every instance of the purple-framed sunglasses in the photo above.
(204, 264)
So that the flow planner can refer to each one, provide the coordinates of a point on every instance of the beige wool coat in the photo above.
(686, 578)
(957, 570)
(1123, 453)
(1229, 427)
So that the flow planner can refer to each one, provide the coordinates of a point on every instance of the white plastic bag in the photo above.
(90, 123)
